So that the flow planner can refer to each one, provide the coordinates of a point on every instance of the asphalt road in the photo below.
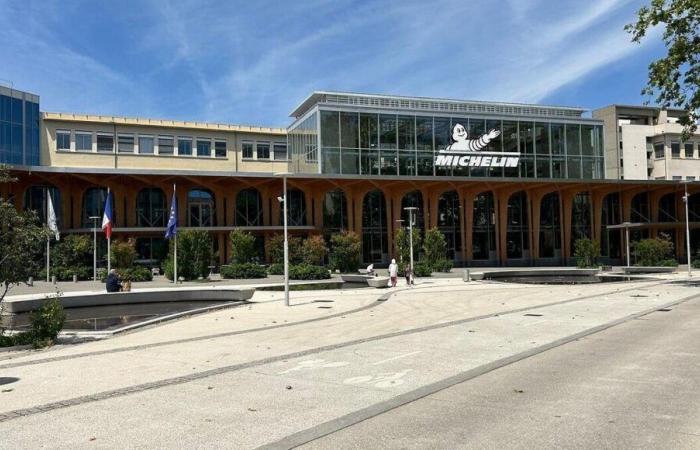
(636, 385)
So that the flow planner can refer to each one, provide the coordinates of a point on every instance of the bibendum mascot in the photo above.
(462, 143)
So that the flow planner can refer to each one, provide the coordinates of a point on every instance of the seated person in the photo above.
(113, 283)
(370, 269)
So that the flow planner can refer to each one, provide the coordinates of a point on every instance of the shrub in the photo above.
(275, 248)
(73, 250)
(136, 274)
(696, 264)
(245, 270)
(586, 251)
(422, 269)
(434, 247)
(652, 252)
(123, 253)
(276, 269)
(194, 255)
(403, 246)
(308, 272)
(443, 265)
(345, 252)
(242, 247)
(47, 321)
(314, 250)
(66, 273)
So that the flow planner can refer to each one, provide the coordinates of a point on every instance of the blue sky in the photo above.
(253, 61)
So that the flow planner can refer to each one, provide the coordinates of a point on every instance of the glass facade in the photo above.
(19, 127)
(400, 144)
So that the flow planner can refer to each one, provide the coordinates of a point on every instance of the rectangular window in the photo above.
(83, 142)
(280, 151)
(203, 148)
(62, 140)
(105, 143)
(659, 151)
(690, 178)
(263, 150)
(675, 149)
(247, 149)
(184, 145)
(166, 145)
(146, 145)
(125, 143)
(688, 149)
(677, 177)
(220, 149)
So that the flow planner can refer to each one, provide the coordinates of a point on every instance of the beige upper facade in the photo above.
(90, 141)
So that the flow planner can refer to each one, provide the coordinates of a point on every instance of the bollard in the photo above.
(466, 276)
(30, 282)
(53, 279)
(75, 278)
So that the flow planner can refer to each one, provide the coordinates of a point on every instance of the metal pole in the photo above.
(175, 261)
(286, 244)
(48, 258)
(94, 249)
(410, 236)
(627, 239)
(687, 230)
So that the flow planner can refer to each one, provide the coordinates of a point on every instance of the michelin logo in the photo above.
(461, 152)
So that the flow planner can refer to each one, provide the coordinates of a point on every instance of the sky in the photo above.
(254, 61)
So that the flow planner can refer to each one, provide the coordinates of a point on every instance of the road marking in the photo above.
(395, 358)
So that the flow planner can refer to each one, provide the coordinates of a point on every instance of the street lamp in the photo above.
(94, 246)
(687, 226)
(410, 210)
(626, 226)
(283, 200)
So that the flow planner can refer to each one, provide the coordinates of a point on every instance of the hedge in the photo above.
(276, 269)
(135, 274)
(246, 270)
(308, 272)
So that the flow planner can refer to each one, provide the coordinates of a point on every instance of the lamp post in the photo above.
(94, 246)
(283, 200)
(410, 210)
(687, 227)
(626, 226)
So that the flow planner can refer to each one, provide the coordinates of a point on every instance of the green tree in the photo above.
(434, 247)
(674, 80)
(242, 247)
(586, 251)
(73, 250)
(403, 246)
(314, 250)
(654, 252)
(275, 248)
(345, 252)
(194, 255)
(123, 253)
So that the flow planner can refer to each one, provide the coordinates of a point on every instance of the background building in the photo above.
(19, 127)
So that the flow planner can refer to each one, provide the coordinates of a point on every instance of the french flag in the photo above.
(108, 217)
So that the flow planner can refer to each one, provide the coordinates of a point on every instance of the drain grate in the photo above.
(664, 309)
(533, 315)
(324, 301)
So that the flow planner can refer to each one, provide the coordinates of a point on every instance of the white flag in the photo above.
(51, 219)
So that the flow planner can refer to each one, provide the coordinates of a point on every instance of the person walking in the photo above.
(409, 275)
(393, 272)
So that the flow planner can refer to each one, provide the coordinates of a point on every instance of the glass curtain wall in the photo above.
(249, 211)
(611, 240)
(484, 227)
(581, 218)
(449, 222)
(93, 205)
(517, 235)
(35, 199)
(296, 209)
(150, 208)
(201, 208)
(550, 226)
(335, 217)
(413, 199)
(640, 214)
(374, 228)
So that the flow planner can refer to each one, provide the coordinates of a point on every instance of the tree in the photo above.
(675, 78)
(345, 252)
(22, 240)
(194, 255)
(654, 252)
(434, 247)
(586, 251)
(275, 248)
(403, 246)
(123, 253)
(242, 247)
(314, 250)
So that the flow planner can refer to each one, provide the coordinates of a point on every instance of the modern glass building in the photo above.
(19, 127)
(377, 135)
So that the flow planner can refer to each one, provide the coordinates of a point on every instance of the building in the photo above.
(19, 127)
(507, 184)
(644, 143)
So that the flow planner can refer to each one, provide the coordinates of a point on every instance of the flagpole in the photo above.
(48, 241)
(175, 262)
(109, 243)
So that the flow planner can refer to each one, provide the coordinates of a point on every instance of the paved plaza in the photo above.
(446, 364)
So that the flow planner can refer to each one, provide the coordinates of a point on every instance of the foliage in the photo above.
(586, 251)
(194, 255)
(5, 176)
(22, 240)
(242, 247)
(696, 264)
(308, 272)
(275, 248)
(123, 253)
(135, 274)
(422, 269)
(675, 78)
(653, 252)
(434, 247)
(66, 273)
(73, 250)
(443, 265)
(403, 245)
(244, 270)
(345, 252)
(47, 322)
(314, 250)
(276, 269)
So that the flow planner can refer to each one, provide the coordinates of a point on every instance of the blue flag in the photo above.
(171, 229)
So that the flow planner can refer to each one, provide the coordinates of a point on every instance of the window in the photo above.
(62, 140)
(166, 145)
(83, 142)
(146, 145)
(184, 145)
(203, 147)
(125, 143)
(220, 149)
(689, 150)
(675, 149)
(677, 177)
(280, 151)
(690, 178)
(263, 150)
(150, 208)
(659, 151)
(105, 143)
(247, 149)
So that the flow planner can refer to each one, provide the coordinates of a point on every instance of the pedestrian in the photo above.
(393, 272)
(113, 283)
(408, 274)
(370, 270)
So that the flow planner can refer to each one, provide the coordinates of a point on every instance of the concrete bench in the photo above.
(23, 303)
(648, 269)
(352, 278)
(378, 282)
